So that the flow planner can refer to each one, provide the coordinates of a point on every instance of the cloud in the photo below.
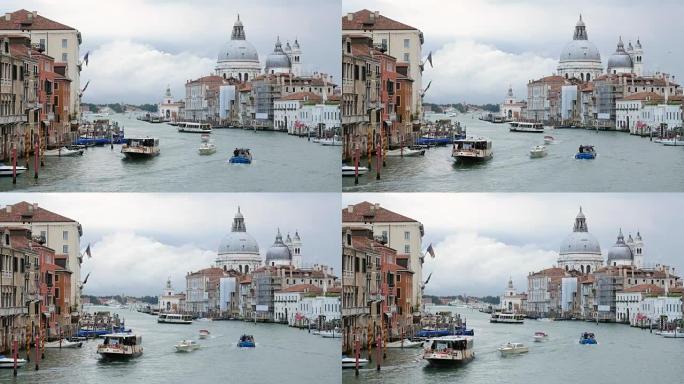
(471, 71)
(469, 263)
(132, 72)
(126, 263)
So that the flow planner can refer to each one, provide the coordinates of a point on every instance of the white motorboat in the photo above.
(203, 333)
(6, 170)
(174, 318)
(140, 148)
(538, 151)
(513, 349)
(674, 334)
(508, 318)
(62, 152)
(521, 126)
(8, 362)
(540, 336)
(349, 171)
(549, 140)
(186, 346)
(120, 346)
(191, 127)
(472, 149)
(207, 147)
(331, 141)
(204, 319)
(331, 334)
(405, 343)
(350, 363)
(406, 152)
(63, 343)
(673, 142)
(449, 350)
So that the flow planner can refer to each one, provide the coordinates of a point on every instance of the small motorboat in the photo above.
(540, 336)
(513, 349)
(587, 338)
(349, 171)
(204, 319)
(538, 151)
(186, 346)
(203, 333)
(549, 140)
(405, 343)
(246, 341)
(334, 141)
(8, 362)
(405, 151)
(6, 170)
(62, 152)
(586, 152)
(674, 334)
(350, 362)
(241, 156)
(207, 147)
(677, 142)
(331, 334)
(63, 343)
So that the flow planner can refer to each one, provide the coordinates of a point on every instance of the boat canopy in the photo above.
(144, 142)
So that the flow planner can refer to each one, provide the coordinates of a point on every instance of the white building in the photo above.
(512, 301)
(568, 293)
(170, 301)
(666, 116)
(580, 58)
(569, 103)
(228, 291)
(287, 112)
(228, 102)
(238, 59)
(628, 303)
(238, 250)
(666, 308)
(321, 118)
(169, 109)
(60, 41)
(580, 250)
(60, 233)
(511, 109)
(322, 308)
(286, 303)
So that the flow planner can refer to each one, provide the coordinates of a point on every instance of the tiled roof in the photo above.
(644, 96)
(551, 272)
(310, 96)
(362, 20)
(646, 288)
(302, 288)
(365, 211)
(37, 23)
(23, 211)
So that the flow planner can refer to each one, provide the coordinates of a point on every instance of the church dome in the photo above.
(620, 251)
(238, 241)
(238, 48)
(278, 251)
(278, 59)
(580, 48)
(620, 59)
(580, 241)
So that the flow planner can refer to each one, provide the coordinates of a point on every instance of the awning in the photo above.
(46, 122)
(388, 122)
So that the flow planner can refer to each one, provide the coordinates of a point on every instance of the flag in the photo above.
(85, 58)
(86, 279)
(87, 251)
(429, 58)
(86, 87)
(431, 251)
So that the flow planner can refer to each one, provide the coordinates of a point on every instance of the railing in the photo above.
(13, 119)
(13, 311)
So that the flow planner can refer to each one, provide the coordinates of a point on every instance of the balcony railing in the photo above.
(13, 119)
(13, 311)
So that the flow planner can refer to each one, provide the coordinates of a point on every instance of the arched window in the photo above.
(566, 268)
(240, 267)
(588, 268)
(246, 77)
(246, 269)
(582, 268)
(582, 76)
(588, 77)
(566, 75)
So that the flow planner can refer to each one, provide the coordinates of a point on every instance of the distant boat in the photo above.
(8, 362)
(449, 350)
(193, 127)
(406, 152)
(207, 147)
(186, 346)
(334, 333)
(6, 170)
(350, 363)
(63, 343)
(140, 148)
(333, 141)
(513, 349)
(540, 336)
(246, 341)
(538, 151)
(507, 318)
(120, 346)
(521, 126)
(62, 152)
(549, 140)
(587, 338)
(174, 318)
(674, 334)
(586, 152)
(241, 156)
(203, 333)
(405, 343)
(349, 171)
(672, 142)
(472, 149)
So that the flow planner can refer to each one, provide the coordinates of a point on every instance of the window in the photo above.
(64, 43)
(407, 249)
(65, 249)
(64, 57)
(65, 235)
(406, 57)
(384, 43)
(406, 43)
(407, 235)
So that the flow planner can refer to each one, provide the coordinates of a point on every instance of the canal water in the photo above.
(624, 164)
(283, 355)
(623, 355)
(282, 163)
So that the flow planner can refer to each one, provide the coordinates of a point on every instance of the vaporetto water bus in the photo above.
(120, 346)
(191, 127)
(507, 318)
(521, 126)
(140, 148)
(174, 318)
(449, 350)
(472, 150)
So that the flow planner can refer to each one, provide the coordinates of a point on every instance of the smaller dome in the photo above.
(278, 59)
(279, 251)
(620, 59)
(620, 251)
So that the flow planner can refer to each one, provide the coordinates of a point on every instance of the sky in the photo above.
(482, 240)
(140, 240)
(138, 47)
(481, 47)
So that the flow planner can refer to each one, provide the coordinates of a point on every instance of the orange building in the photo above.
(63, 294)
(404, 112)
(62, 101)
(388, 88)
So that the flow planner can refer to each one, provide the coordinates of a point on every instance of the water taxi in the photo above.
(334, 141)
(521, 126)
(350, 362)
(587, 338)
(246, 341)
(405, 152)
(538, 151)
(63, 343)
(62, 152)
(207, 147)
(140, 148)
(186, 346)
(350, 171)
(549, 140)
(8, 362)
(6, 170)
(586, 152)
(241, 156)
(472, 149)
(449, 350)
(513, 349)
(191, 127)
(404, 343)
(203, 333)
(120, 346)
(331, 334)
(174, 318)
(507, 318)
(540, 336)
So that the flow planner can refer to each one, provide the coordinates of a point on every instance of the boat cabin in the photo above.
(144, 142)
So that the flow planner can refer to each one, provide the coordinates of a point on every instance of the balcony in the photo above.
(355, 311)
(13, 311)
(10, 119)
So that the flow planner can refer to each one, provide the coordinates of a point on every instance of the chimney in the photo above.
(34, 14)
(8, 16)
(350, 16)
(8, 209)
(35, 206)
(350, 208)
(377, 14)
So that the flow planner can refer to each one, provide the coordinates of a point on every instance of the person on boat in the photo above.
(236, 152)
(581, 148)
